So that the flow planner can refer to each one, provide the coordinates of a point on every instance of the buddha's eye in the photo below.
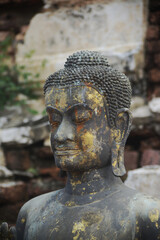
(54, 119)
(81, 115)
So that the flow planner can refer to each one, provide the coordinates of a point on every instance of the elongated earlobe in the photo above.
(119, 137)
(118, 160)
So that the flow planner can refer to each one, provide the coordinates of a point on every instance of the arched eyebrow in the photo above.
(50, 109)
(79, 105)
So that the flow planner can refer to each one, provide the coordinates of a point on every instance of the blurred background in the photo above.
(35, 38)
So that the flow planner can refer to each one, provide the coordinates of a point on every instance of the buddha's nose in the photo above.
(65, 131)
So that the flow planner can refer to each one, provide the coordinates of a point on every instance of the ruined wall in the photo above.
(127, 32)
(115, 28)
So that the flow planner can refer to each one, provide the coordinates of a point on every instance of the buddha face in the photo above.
(80, 134)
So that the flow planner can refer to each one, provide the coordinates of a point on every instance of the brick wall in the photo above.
(153, 49)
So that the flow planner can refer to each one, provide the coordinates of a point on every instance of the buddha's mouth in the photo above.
(66, 152)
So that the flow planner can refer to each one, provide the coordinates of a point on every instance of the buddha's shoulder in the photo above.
(39, 202)
(141, 204)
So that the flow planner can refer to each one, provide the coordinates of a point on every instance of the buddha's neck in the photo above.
(91, 182)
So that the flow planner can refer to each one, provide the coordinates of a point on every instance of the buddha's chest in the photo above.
(78, 223)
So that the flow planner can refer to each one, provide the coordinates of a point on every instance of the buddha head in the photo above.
(88, 107)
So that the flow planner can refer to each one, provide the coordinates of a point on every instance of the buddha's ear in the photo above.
(119, 137)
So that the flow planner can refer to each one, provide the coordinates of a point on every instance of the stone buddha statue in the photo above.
(88, 107)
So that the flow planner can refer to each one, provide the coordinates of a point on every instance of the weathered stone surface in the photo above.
(157, 128)
(141, 115)
(22, 175)
(154, 105)
(40, 132)
(137, 102)
(120, 38)
(24, 135)
(145, 180)
(21, 135)
(5, 173)
(17, 116)
(12, 192)
(2, 158)
(11, 117)
(47, 142)
(150, 157)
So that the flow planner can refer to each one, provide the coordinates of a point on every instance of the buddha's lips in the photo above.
(64, 152)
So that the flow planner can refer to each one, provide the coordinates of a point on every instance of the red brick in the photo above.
(43, 152)
(157, 59)
(150, 157)
(43, 157)
(153, 32)
(154, 17)
(18, 160)
(154, 75)
(149, 61)
(131, 160)
(13, 193)
(153, 142)
(153, 46)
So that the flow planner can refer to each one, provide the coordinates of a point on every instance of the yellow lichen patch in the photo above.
(157, 226)
(93, 193)
(114, 162)
(137, 229)
(93, 238)
(50, 92)
(88, 139)
(70, 203)
(23, 220)
(78, 228)
(154, 215)
(62, 100)
(78, 97)
(95, 98)
(75, 183)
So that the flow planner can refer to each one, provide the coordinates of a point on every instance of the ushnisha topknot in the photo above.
(83, 58)
(92, 69)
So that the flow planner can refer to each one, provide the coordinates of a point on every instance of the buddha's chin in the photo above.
(68, 162)
(79, 162)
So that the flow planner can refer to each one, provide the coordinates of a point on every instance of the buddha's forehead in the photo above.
(63, 98)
